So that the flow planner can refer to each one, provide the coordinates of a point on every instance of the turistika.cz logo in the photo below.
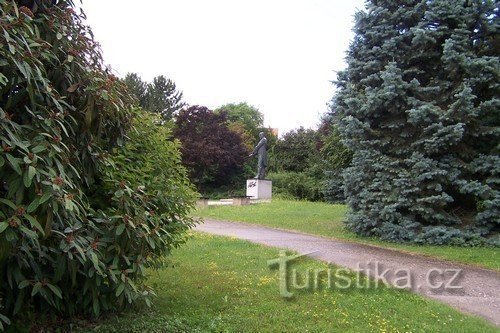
(436, 280)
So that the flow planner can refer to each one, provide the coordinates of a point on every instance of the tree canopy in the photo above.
(137, 87)
(296, 151)
(418, 106)
(212, 152)
(163, 98)
(244, 119)
(159, 96)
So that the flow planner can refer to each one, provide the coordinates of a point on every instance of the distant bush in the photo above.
(81, 214)
(297, 185)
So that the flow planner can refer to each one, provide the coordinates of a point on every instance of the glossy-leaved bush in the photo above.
(91, 191)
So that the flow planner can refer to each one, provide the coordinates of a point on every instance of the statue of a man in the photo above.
(261, 150)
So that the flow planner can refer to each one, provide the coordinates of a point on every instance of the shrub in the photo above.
(80, 217)
(143, 201)
(296, 185)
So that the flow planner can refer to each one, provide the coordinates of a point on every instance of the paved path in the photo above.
(480, 288)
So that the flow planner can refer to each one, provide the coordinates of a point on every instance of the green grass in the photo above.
(327, 220)
(221, 284)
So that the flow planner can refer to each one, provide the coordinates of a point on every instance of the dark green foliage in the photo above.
(334, 153)
(247, 115)
(418, 106)
(236, 188)
(81, 215)
(297, 185)
(145, 185)
(247, 121)
(137, 87)
(296, 151)
(163, 98)
(295, 165)
(316, 158)
(160, 96)
(334, 186)
(336, 157)
(213, 154)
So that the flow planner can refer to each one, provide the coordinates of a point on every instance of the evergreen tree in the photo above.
(418, 105)
(163, 98)
(137, 87)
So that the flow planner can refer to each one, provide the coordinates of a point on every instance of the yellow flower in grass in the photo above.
(263, 280)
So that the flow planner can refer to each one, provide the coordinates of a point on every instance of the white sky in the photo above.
(278, 55)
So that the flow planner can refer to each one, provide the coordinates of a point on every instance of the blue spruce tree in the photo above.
(419, 107)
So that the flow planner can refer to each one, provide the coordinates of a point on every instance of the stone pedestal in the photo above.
(259, 188)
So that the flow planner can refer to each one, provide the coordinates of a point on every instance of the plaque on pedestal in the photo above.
(259, 188)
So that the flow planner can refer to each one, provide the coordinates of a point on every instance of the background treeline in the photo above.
(215, 143)
(303, 163)
(411, 141)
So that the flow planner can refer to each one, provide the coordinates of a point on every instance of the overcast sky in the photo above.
(278, 55)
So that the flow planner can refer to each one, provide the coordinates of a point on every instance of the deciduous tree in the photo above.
(212, 153)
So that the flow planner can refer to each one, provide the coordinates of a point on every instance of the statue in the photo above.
(261, 150)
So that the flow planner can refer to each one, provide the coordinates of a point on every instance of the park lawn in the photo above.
(220, 284)
(328, 220)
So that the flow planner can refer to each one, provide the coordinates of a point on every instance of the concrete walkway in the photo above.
(472, 290)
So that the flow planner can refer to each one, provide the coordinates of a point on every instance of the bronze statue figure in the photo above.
(261, 150)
